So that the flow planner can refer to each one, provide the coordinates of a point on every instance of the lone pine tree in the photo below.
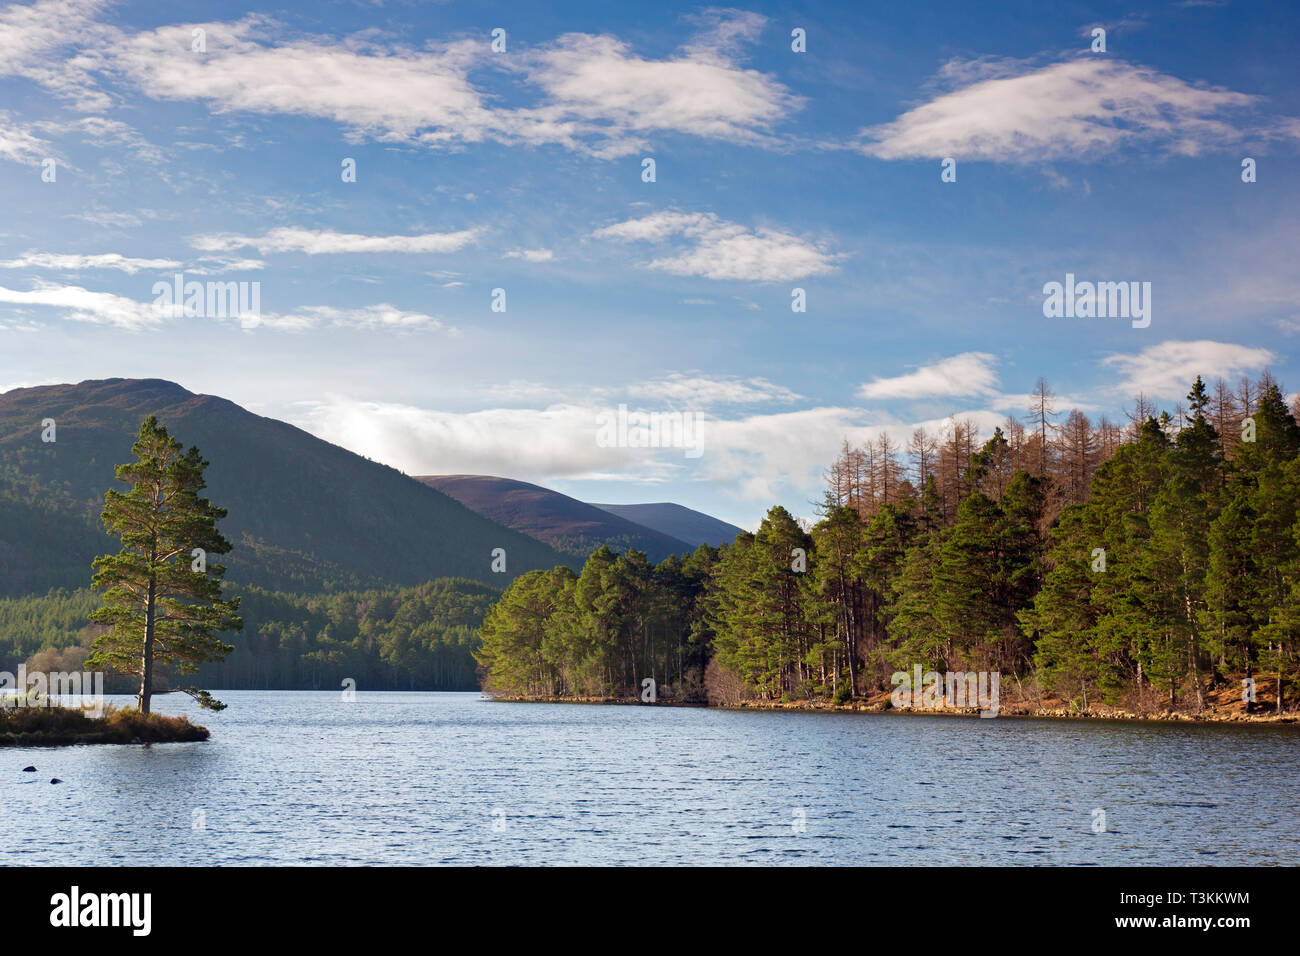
(162, 597)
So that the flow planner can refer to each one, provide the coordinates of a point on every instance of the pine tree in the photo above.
(1062, 621)
(1178, 555)
(162, 596)
(836, 598)
(885, 542)
(762, 629)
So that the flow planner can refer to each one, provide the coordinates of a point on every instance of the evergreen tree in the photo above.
(1063, 618)
(162, 597)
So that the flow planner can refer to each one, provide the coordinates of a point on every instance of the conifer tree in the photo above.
(162, 596)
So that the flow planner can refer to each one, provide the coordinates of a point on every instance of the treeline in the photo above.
(419, 638)
(1144, 565)
(604, 631)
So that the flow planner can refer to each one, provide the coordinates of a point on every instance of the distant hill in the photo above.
(693, 527)
(565, 523)
(304, 514)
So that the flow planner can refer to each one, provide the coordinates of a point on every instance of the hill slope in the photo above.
(304, 514)
(693, 527)
(565, 523)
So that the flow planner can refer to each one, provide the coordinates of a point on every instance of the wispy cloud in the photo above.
(717, 249)
(596, 86)
(700, 391)
(970, 373)
(677, 390)
(327, 242)
(32, 36)
(82, 305)
(216, 265)
(1168, 369)
(382, 316)
(1082, 108)
(531, 255)
(18, 143)
(105, 133)
(73, 262)
(593, 92)
(74, 303)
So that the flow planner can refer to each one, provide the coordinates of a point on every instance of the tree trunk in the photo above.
(146, 655)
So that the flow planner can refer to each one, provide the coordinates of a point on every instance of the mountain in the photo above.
(693, 527)
(303, 514)
(565, 523)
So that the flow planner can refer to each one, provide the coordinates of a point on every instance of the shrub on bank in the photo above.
(57, 726)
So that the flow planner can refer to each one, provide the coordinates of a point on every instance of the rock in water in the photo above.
(55, 780)
(29, 769)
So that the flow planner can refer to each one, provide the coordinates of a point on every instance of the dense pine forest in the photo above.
(1147, 564)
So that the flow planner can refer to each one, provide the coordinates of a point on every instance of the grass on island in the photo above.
(60, 726)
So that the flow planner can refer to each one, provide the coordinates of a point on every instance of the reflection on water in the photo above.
(298, 777)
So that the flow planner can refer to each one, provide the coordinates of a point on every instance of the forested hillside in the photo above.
(1146, 564)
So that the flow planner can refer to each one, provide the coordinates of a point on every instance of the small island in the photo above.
(46, 726)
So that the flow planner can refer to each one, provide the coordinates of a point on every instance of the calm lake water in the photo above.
(301, 777)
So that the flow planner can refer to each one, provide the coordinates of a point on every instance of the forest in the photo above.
(419, 638)
(1148, 563)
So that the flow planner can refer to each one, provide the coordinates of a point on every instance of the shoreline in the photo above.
(67, 727)
(1018, 710)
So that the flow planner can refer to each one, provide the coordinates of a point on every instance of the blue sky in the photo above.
(521, 169)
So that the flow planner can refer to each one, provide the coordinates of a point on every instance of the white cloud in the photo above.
(327, 242)
(31, 35)
(382, 316)
(717, 249)
(111, 220)
(702, 392)
(216, 265)
(105, 308)
(675, 391)
(970, 373)
(81, 305)
(557, 441)
(597, 85)
(397, 95)
(18, 143)
(756, 458)
(531, 255)
(595, 94)
(71, 262)
(1168, 369)
(106, 133)
(759, 458)
(1080, 108)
